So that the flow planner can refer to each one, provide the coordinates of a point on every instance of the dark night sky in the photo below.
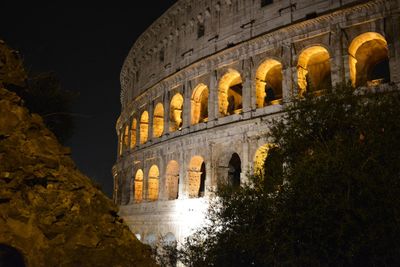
(85, 47)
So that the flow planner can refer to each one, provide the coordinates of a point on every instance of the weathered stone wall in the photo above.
(49, 211)
(296, 47)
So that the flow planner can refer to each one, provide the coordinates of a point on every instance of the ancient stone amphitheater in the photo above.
(200, 84)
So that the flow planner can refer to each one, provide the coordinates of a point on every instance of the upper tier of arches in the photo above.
(368, 65)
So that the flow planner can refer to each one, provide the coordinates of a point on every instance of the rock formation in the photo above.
(49, 211)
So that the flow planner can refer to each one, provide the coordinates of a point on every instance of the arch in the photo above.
(314, 69)
(259, 158)
(176, 107)
(126, 137)
(230, 93)
(144, 127)
(10, 256)
(197, 177)
(120, 142)
(269, 83)
(158, 120)
(153, 183)
(133, 133)
(169, 240)
(369, 60)
(172, 183)
(138, 186)
(234, 170)
(199, 105)
(150, 239)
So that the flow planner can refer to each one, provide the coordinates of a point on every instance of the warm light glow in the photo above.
(126, 137)
(268, 83)
(158, 120)
(367, 53)
(230, 93)
(176, 108)
(197, 176)
(138, 186)
(199, 107)
(172, 181)
(120, 143)
(144, 127)
(153, 183)
(133, 133)
(314, 69)
(259, 158)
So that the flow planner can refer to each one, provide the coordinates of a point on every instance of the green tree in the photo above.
(336, 201)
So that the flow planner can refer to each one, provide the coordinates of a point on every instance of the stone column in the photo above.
(186, 104)
(166, 100)
(213, 111)
(287, 77)
(151, 111)
(336, 60)
(247, 90)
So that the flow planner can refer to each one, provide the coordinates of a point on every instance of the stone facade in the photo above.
(201, 84)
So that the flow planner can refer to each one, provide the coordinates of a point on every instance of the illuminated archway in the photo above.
(197, 177)
(133, 133)
(153, 183)
(158, 120)
(172, 183)
(176, 108)
(259, 158)
(144, 127)
(199, 110)
(268, 83)
(234, 170)
(121, 142)
(314, 70)
(126, 137)
(138, 186)
(369, 60)
(230, 93)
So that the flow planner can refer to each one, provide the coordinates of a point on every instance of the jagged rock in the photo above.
(50, 211)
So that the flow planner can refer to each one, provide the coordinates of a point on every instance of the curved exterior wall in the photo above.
(198, 43)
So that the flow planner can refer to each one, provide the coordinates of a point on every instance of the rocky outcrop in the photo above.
(50, 211)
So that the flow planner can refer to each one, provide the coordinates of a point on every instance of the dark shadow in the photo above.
(10, 257)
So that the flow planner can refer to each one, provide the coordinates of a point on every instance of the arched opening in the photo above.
(121, 142)
(133, 133)
(10, 257)
(234, 170)
(158, 120)
(172, 183)
(259, 158)
(369, 60)
(169, 240)
(314, 70)
(199, 110)
(197, 177)
(138, 186)
(268, 164)
(269, 83)
(151, 240)
(175, 115)
(153, 183)
(126, 137)
(230, 93)
(144, 127)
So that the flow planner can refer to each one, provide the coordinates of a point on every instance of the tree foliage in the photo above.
(42, 93)
(335, 201)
